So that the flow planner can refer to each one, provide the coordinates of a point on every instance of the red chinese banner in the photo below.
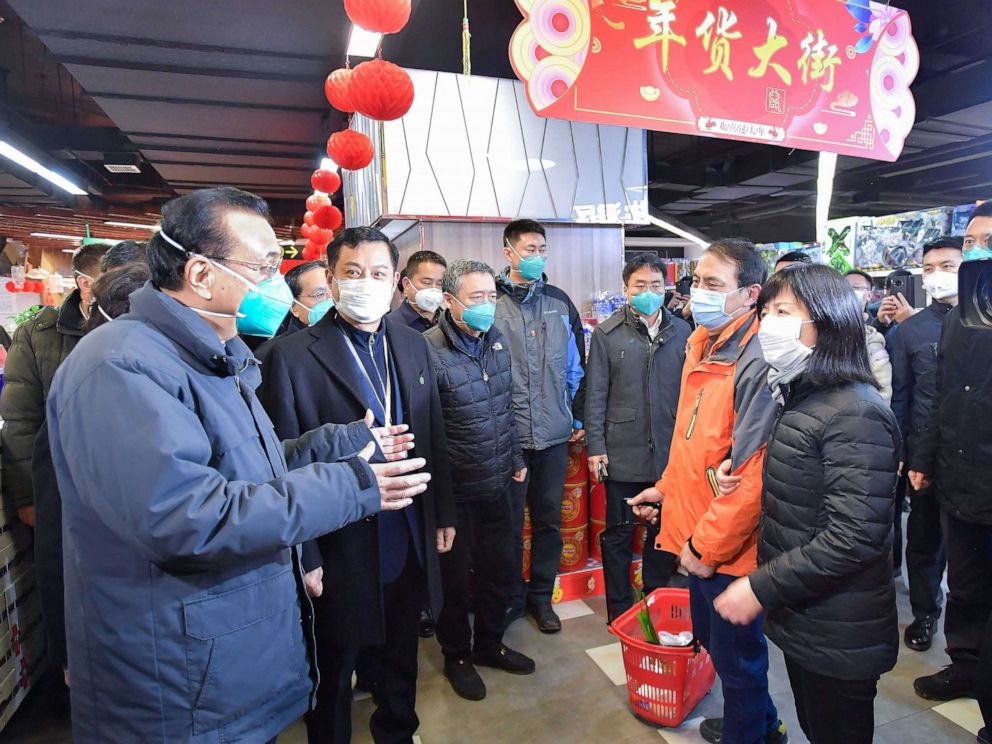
(811, 74)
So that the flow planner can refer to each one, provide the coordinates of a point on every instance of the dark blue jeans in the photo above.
(740, 655)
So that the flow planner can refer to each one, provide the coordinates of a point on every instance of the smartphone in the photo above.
(601, 469)
(906, 286)
(684, 285)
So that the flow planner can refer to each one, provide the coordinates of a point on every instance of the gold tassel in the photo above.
(466, 43)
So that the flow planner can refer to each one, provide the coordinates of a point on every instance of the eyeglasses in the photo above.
(266, 270)
(319, 295)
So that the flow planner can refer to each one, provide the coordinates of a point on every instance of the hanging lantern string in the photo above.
(466, 43)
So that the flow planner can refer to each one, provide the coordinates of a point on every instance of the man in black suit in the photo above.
(377, 570)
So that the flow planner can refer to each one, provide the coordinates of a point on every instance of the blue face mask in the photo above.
(318, 311)
(478, 317)
(531, 268)
(977, 252)
(708, 307)
(646, 303)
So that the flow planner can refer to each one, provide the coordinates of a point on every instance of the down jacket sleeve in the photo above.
(881, 367)
(329, 443)
(156, 487)
(858, 450)
(22, 407)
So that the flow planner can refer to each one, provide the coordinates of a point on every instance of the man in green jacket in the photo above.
(40, 345)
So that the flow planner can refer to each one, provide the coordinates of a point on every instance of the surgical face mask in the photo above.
(265, 306)
(780, 344)
(941, 284)
(318, 311)
(478, 317)
(709, 307)
(531, 268)
(977, 252)
(364, 300)
(429, 300)
(647, 303)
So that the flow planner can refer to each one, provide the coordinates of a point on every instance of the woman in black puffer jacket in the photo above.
(824, 576)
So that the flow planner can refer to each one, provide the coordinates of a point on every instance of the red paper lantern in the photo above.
(381, 90)
(328, 218)
(382, 16)
(306, 230)
(326, 181)
(312, 251)
(308, 218)
(351, 150)
(316, 201)
(336, 88)
(320, 236)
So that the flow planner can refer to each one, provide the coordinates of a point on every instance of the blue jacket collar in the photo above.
(520, 292)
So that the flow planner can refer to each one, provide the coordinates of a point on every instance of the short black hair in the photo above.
(982, 210)
(124, 253)
(112, 293)
(795, 257)
(513, 231)
(295, 275)
(353, 236)
(422, 257)
(841, 353)
(947, 241)
(640, 261)
(87, 259)
(859, 272)
(751, 268)
(196, 222)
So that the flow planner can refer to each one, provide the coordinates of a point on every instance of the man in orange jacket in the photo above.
(725, 410)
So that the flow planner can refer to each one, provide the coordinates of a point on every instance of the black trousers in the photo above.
(902, 489)
(924, 554)
(831, 710)
(485, 542)
(983, 676)
(394, 688)
(969, 599)
(543, 492)
(657, 567)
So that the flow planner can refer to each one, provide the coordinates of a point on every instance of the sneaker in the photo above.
(547, 620)
(711, 730)
(426, 624)
(984, 737)
(919, 634)
(501, 657)
(948, 684)
(465, 681)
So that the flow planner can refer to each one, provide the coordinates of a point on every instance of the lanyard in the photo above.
(387, 405)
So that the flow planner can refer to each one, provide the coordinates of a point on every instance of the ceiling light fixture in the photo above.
(57, 236)
(135, 225)
(363, 43)
(677, 230)
(10, 152)
(826, 169)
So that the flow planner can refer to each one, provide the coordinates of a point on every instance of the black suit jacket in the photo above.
(309, 379)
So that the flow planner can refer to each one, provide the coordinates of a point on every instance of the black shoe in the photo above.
(948, 684)
(984, 737)
(711, 729)
(919, 634)
(426, 624)
(547, 620)
(501, 657)
(465, 681)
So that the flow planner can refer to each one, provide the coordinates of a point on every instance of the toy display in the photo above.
(897, 240)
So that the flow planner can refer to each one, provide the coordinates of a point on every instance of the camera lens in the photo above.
(983, 296)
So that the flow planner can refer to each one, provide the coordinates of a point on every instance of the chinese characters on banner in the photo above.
(812, 74)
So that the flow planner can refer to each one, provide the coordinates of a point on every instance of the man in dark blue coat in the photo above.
(181, 507)
(377, 570)
(472, 365)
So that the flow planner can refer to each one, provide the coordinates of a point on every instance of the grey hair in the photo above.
(451, 282)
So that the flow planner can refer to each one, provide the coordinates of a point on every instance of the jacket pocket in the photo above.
(243, 647)
(618, 415)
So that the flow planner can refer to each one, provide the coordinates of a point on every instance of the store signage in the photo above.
(821, 75)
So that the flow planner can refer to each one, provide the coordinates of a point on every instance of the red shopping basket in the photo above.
(664, 683)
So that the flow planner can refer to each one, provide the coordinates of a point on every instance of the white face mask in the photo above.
(429, 300)
(364, 300)
(941, 284)
(780, 344)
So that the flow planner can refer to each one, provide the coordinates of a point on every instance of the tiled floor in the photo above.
(578, 695)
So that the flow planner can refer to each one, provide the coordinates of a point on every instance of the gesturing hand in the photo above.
(392, 440)
(642, 504)
(396, 487)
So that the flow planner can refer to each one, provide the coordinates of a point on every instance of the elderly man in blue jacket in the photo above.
(184, 592)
